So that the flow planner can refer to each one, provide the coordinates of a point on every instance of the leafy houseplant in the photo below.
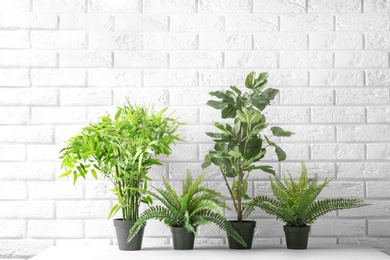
(197, 205)
(296, 205)
(238, 146)
(123, 149)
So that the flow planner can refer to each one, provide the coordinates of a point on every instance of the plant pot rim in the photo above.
(296, 229)
(180, 230)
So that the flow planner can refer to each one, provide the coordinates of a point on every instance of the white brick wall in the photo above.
(66, 62)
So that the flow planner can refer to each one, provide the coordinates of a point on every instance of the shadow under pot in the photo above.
(182, 239)
(246, 229)
(122, 228)
(296, 237)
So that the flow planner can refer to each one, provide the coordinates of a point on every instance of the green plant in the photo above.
(295, 201)
(123, 149)
(240, 145)
(197, 205)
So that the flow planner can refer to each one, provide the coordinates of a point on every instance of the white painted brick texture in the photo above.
(64, 63)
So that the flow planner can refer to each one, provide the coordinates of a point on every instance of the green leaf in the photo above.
(250, 80)
(280, 153)
(278, 131)
(94, 173)
(114, 210)
(270, 93)
(216, 104)
(241, 116)
(229, 112)
(235, 89)
(218, 94)
(235, 154)
(264, 168)
(220, 161)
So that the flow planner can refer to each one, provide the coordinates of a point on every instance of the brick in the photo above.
(26, 134)
(337, 152)
(209, 114)
(59, 6)
(307, 96)
(306, 23)
(276, 114)
(361, 59)
(195, 133)
(58, 115)
(288, 78)
(338, 227)
(88, 22)
(96, 112)
(142, 23)
(306, 60)
(280, 41)
(155, 96)
(12, 152)
(23, 247)
(168, 41)
(334, 41)
(343, 189)
(362, 22)
(54, 190)
(58, 77)
(64, 132)
(337, 6)
(100, 228)
(13, 228)
(13, 190)
(26, 209)
(178, 171)
(155, 227)
(27, 170)
(14, 115)
(82, 209)
(239, 59)
(363, 133)
(222, 78)
(170, 6)
(376, 6)
(114, 78)
(269, 228)
(338, 115)
(265, 241)
(224, 41)
(336, 78)
(197, 23)
(269, 6)
(85, 59)
(363, 170)
(310, 133)
(114, 6)
(15, 6)
(378, 114)
(379, 40)
(27, 58)
(198, 59)
(63, 40)
(208, 231)
(220, 6)
(252, 23)
(368, 96)
(209, 241)
(114, 41)
(28, 96)
(378, 227)
(189, 96)
(141, 59)
(149, 241)
(378, 78)
(184, 152)
(323, 170)
(186, 115)
(378, 151)
(28, 21)
(379, 189)
(14, 40)
(14, 78)
(376, 208)
(170, 78)
(83, 242)
(99, 190)
(55, 228)
(85, 96)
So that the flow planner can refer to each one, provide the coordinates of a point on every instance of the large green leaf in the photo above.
(278, 131)
(250, 80)
(217, 104)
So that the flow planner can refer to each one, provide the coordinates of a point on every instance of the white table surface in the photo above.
(342, 252)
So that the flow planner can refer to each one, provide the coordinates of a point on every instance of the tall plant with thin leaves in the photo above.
(197, 205)
(122, 148)
(295, 201)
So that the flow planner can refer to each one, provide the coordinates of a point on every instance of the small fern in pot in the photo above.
(197, 205)
(295, 204)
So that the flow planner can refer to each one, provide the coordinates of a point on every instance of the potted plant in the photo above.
(197, 205)
(241, 144)
(296, 205)
(122, 148)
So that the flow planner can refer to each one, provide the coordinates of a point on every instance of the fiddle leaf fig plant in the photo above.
(242, 143)
(122, 148)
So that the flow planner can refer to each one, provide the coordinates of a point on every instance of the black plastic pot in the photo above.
(182, 239)
(246, 229)
(296, 237)
(122, 228)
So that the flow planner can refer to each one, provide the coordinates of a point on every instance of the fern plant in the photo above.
(197, 205)
(295, 201)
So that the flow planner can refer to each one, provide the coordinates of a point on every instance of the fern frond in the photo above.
(187, 183)
(173, 194)
(195, 185)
